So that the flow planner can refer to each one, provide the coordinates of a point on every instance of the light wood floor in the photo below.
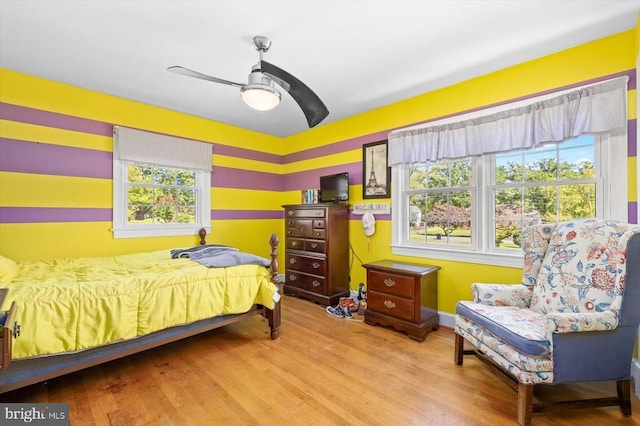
(322, 370)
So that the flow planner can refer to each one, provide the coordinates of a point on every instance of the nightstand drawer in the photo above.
(385, 282)
(387, 304)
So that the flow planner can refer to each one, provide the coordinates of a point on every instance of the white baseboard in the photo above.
(448, 320)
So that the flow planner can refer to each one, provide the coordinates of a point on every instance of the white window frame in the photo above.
(611, 164)
(121, 226)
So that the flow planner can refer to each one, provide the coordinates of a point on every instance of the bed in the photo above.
(65, 315)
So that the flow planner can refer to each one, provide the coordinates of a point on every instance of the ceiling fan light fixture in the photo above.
(260, 97)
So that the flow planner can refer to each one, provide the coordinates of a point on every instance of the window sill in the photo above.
(169, 231)
(493, 259)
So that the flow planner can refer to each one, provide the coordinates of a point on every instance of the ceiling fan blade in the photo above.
(313, 108)
(190, 73)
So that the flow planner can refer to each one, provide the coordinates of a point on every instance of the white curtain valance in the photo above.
(154, 148)
(594, 109)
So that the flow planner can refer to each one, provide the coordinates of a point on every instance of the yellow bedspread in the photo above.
(74, 304)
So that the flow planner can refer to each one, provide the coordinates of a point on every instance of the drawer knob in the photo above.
(292, 277)
(389, 282)
(294, 243)
(318, 234)
(292, 260)
(316, 265)
(289, 232)
(290, 213)
(315, 283)
(389, 304)
(314, 245)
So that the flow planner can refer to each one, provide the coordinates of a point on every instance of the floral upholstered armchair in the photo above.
(574, 318)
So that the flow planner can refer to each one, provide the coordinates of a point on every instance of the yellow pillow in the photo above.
(8, 270)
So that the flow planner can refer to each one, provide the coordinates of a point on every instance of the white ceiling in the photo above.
(356, 55)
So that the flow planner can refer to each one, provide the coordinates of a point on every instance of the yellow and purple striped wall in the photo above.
(59, 204)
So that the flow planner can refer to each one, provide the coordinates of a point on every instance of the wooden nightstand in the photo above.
(403, 296)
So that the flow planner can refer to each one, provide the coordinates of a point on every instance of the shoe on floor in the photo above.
(335, 311)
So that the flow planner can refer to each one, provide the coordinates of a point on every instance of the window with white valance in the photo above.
(464, 186)
(161, 184)
(594, 109)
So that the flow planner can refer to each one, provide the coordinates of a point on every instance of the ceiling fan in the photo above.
(260, 92)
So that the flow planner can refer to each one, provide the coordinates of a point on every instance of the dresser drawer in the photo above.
(299, 228)
(305, 281)
(295, 243)
(310, 265)
(305, 213)
(398, 307)
(316, 246)
(389, 283)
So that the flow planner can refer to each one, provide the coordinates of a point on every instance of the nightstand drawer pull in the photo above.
(389, 304)
(292, 260)
(292, 277)
(315, 283)
(316, 265)
(389, 282)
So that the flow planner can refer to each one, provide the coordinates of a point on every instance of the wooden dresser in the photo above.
(317, 252)
(403, 296)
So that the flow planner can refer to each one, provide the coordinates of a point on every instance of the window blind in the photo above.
(154, 148)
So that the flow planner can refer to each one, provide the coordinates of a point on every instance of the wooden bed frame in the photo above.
(16, 374)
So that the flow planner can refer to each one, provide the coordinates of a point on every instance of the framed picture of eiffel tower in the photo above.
(376, 174)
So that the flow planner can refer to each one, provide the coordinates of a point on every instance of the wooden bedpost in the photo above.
(202, 233)
(273, 315)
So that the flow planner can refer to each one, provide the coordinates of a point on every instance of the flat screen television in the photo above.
(334, 188)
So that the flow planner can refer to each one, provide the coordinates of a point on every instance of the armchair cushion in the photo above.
(522, 329)
(584, 268)
(535, 242)
(501, 294)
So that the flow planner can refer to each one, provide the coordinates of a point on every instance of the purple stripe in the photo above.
(246, 214)
(53, 119)
(41, 158)
(632, 136)
(53, 214)
(336, 147)
(227, 177)
(632, 212)
(311, 178)
(247, 154)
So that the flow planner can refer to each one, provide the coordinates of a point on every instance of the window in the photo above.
(465, 186)
(474, 209)
(162, 185)
(158, 195)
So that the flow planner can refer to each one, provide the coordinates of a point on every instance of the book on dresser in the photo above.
(317, 252)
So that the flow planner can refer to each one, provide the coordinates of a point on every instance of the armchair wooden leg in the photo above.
(525, 404)
(624, 395)
(459, 349)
